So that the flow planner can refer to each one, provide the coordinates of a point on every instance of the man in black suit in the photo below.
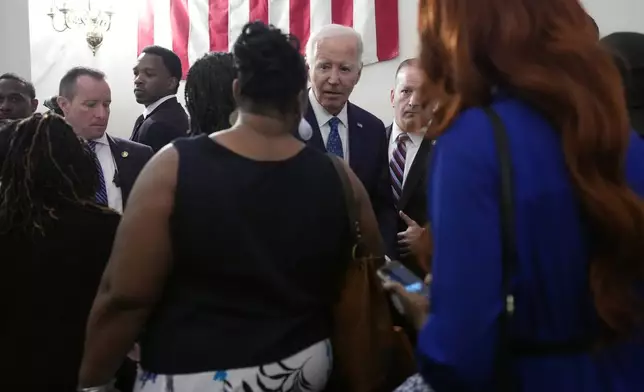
(156, 80)
(85, 98)
(334, 56)
(408, 160)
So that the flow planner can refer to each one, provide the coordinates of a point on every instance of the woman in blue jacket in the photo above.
(578, 181)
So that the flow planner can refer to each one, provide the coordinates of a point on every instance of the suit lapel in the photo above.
(354, 132)
(388, 133)
(120, 154)
(117, 152)
(137, 126)
(416, 172)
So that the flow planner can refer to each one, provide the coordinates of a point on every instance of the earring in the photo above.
(305, 130)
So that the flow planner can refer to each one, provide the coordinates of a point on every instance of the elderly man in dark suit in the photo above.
(156, 80)
(334, 57)
(85, 98)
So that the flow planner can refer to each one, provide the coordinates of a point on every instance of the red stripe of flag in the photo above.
(218, 25)
(300, 21)
(387, 29)
(342, 12)
(259, 11)
(146, 25)
(180, 25)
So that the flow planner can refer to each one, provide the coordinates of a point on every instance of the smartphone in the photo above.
(397, 272)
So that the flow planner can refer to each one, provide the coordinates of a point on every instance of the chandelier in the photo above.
(94, 16)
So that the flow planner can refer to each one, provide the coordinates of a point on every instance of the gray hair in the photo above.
(331, 31)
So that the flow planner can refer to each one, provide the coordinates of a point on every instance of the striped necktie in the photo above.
(397, 165)
(334, 143)
(101, 192)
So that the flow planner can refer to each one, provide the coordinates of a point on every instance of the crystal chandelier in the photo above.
(95, 16)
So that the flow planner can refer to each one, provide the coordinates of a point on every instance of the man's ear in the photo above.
(174, 83)
(34, 105)
(308, 75)
(391, 97)
(63, 104)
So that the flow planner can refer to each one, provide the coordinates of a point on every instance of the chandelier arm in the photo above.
(53, 24)
(109, 22)
(65, 18)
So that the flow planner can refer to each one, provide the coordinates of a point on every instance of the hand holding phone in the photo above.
(395, 271)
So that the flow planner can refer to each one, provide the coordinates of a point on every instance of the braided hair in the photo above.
(52, 104)
(271, 70)
(209, 93)
(45, 167)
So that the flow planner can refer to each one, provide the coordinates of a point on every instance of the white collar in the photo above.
(323, 116)
(150, 108)
(415, 137)
(101, 140)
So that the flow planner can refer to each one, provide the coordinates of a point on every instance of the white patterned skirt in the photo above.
(415, 383)
(305, 371)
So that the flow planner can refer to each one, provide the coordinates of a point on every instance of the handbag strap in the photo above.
(509, 256)
(349, 198)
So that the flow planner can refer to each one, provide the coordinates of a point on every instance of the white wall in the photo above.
(53, 53)
(14, 38)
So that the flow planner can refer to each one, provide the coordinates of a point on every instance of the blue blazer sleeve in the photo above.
(457, 345)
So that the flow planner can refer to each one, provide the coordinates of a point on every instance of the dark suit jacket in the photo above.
(413, 201)
(166, 123)
(368, 160)
(130, 157)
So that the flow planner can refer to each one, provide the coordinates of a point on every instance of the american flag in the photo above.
(192, 28)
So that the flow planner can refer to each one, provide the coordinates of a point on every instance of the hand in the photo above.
(416, 306)
(409, 239)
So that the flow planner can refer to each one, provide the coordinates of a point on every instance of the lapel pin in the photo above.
(359, 125)
(124, 154)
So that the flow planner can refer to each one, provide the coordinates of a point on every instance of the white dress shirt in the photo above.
(323, 118)
(108, 164)
(150, 108)
(413, 144)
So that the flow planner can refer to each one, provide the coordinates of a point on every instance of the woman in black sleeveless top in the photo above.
(229, 256)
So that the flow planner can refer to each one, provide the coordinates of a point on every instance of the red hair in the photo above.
(547, 52)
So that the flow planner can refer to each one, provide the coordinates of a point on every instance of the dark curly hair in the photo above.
(271, 70)
(45, 167)
(209, 92)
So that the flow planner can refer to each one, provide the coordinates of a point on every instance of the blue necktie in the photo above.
(101, 192)
(334, 143)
